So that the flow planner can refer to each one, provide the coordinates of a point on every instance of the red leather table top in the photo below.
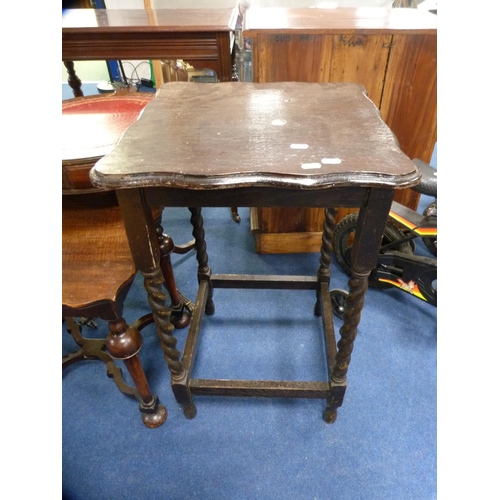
(91, 126)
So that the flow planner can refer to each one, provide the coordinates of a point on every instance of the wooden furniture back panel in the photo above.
(286, 220)
(324, 58)
(409, 105)
(361, 59)
(392, 54)
(289, 58)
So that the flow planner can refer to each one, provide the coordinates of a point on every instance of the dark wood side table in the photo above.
(289, 144)
(202, 37)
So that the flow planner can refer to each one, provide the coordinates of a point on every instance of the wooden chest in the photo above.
(391, 52)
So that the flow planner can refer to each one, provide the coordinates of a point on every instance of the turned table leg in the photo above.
(178, 316)
(124, 343)
(368, 237)
(145, 248)
(74, 82)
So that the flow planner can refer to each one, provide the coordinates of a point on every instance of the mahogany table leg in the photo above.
(124, 342)
(178, 317)
(74, 82)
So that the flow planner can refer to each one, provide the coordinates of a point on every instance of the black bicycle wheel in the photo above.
(431, 242)
(343, 237)
(432, 245)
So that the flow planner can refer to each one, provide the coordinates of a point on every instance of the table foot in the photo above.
(330, 415)
(183, 396)
(189, 411)
(153, 414)
(180, 319)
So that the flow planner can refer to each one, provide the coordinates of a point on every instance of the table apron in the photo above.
(257, 197)
(134, 45)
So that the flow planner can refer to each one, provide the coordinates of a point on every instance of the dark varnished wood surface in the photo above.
(180, 141)
(202, 37)
(196, 34)
(94, 243)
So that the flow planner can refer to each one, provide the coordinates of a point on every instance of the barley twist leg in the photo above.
(325, 254)
(358, 284)
(161, 314)
(164, 330)
(204, 271)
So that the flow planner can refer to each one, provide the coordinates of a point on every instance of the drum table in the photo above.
(91, 126)
(266, 145)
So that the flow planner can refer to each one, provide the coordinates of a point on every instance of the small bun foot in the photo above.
(180, 321)
(329, 415)
(156, 419)
(190, 411)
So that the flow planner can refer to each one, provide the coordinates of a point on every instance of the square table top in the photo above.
(227, 135)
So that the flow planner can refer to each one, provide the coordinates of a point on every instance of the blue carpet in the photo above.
(382, 446)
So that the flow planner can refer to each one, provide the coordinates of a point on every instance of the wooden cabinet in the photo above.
(391, 52)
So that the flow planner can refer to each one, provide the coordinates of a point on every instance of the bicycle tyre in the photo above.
(343, 236)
